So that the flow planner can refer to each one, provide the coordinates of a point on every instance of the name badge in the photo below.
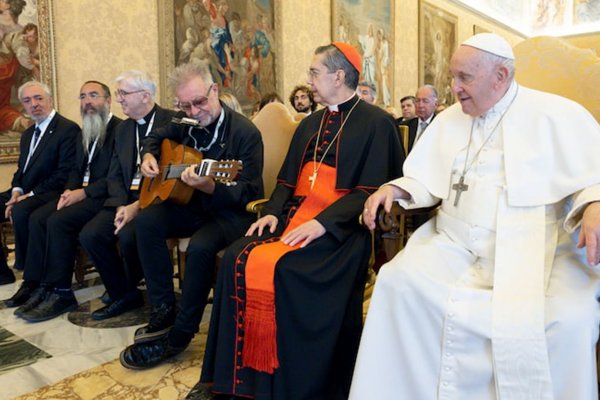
(135, 183)
(86, 178)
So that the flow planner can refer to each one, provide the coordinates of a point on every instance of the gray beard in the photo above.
(94, 126)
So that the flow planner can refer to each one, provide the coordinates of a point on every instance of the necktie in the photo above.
(36, 135)
(422, 127)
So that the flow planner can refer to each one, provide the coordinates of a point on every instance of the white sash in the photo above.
(519, 348)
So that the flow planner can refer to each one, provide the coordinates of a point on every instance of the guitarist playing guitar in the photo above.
(214, 216)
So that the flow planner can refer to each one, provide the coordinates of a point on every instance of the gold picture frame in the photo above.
(45, 71)
(437, 42)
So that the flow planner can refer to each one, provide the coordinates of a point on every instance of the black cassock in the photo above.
(319, 288)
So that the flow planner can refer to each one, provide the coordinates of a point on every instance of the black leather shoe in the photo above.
(37, 296)
(117, 307)
(52, 306)
(162, 319)
(21, 296)
(200, 392)
(7, 277)
(148, 354)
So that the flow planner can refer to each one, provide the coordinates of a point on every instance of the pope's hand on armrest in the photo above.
(384, 196)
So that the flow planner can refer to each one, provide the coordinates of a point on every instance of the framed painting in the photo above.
(437, 42)
(586, 11)
(369, 26)
(26, 53)
(235, 38)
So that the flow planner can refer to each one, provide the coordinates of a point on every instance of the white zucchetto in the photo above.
(491, 43)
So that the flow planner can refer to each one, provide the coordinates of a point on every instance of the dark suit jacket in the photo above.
(97, 187)
(413, 125)
(122, 165)
(52, 160)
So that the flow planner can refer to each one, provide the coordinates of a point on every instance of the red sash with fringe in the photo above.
(260, 338)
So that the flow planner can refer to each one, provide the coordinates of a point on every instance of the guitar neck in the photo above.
(223, 171)
(174, 171)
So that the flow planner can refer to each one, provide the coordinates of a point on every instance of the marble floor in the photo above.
(70, 357)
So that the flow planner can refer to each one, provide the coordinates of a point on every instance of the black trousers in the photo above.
(154, 225)
(52, 246)
(119, 267)
(20, 216)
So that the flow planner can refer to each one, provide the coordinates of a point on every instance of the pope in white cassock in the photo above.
(493, 297)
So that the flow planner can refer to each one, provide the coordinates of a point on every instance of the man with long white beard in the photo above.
(55, 226)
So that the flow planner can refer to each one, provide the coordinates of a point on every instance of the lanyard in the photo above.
(215, 134)
(137, 136)
(92, 151)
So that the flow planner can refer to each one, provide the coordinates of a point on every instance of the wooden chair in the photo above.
(7, 237)
(402, 231)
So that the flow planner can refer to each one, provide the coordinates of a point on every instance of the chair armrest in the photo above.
(256, 206)
(389, 222)
(392, 226)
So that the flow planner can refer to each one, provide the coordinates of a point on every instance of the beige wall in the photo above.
(99, 39)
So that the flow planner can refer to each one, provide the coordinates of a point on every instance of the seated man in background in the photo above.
(302, 99)
(367, 92)
(54, 227)
(287, 314)
(119, 267)
(426, 101)
(47, 154)
(214, 217)
(407, 105)
(492, 298)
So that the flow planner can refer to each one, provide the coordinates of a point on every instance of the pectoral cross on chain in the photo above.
(459, 188)
(312, 179)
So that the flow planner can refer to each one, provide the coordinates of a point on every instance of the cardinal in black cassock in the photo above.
(286, 319)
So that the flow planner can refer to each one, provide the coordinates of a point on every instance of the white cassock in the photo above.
(491, 298)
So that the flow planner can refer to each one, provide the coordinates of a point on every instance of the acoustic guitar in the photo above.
(174, 159)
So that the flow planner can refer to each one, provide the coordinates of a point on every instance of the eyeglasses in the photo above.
(123, 93)
(92, 96)
(198, 103)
